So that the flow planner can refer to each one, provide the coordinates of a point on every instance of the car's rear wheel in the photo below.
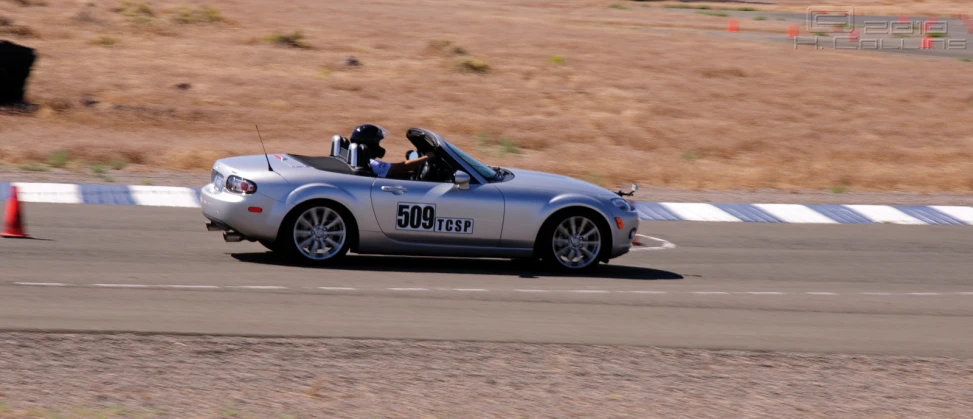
(572, 241)
(315, 233)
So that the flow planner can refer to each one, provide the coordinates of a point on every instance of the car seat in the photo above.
(339, 148)
(358, 157)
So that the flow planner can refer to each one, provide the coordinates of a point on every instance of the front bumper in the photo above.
(622, 237)
(232, 210)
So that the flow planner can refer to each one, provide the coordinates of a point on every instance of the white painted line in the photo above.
(408, 289)
(469, 289)
(709, 292)
(793, 213)
(261, 287)
(337, 288)
(163, 196)
(530, 290)
(764, 293)
(121, 285)
(965, 293)
(665, 244)
(589, 291)
(54, 193)
(699, 212)
(646, 292)
(884, 214)
(964, 214)
(42, 284)
(925, 293)
(191, 286)
(820, 293)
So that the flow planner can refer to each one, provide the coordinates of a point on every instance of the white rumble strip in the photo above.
(467, 290)
(42, 284)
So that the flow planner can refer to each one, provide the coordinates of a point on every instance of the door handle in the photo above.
(395, 189)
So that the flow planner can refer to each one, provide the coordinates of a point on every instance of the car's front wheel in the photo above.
(315, 233)
(572, 241)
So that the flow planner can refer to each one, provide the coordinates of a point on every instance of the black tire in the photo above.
(545, 246)
(287, 244)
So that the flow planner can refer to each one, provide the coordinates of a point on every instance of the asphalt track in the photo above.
(884, 289)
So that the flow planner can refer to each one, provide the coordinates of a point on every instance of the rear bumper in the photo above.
(231, 212)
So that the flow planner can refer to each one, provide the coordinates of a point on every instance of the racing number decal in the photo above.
(422, 217)
(415, 217)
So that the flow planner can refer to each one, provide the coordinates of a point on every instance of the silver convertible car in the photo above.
(316, 209)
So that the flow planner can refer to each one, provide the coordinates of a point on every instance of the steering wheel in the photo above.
(423, 171)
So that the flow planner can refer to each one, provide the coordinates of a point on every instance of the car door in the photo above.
(438, 213)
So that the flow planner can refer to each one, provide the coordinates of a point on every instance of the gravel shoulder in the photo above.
(198, 178)
(78, 375)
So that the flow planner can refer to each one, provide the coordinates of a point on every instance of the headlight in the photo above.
(240, 185)
(621, 204)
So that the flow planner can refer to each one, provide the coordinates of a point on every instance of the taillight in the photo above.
(240, 185)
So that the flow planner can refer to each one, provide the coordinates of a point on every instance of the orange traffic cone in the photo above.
(792, 31)
(927, 42)
(13, 221)
(733, 26)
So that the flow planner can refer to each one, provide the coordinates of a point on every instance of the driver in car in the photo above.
(371, 135)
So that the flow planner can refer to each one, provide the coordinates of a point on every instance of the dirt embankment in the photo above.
(610, 92)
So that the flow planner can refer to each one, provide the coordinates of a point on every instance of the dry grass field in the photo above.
(608, 91)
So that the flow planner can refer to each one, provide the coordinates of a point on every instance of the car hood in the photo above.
(533, 179)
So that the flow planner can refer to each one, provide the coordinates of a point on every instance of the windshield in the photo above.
(476, 165)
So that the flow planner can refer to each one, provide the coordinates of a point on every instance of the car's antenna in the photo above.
(264, 147)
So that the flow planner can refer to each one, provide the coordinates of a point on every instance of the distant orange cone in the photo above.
(13, 221)
(792, 31)
(927, 42)
(733, 26)
(853, 35)
(903, 19)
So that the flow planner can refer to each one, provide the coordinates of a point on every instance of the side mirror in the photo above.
(629, 193)
(411, 155)
(461, 179)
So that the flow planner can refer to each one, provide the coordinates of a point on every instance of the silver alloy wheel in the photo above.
(576, 242)
(319, 233)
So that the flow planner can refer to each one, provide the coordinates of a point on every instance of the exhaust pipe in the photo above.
(214, 227)
(232, 237)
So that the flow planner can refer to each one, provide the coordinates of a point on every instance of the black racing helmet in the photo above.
(368, 134)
